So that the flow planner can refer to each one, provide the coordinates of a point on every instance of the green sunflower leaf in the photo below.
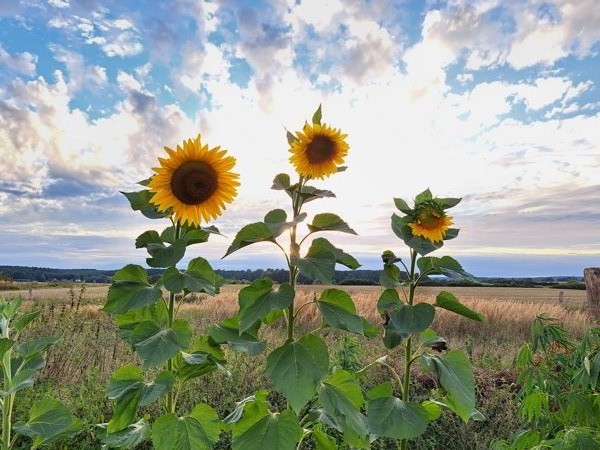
(165, 256)
(250, 234)
(309, 193)
(456, 378)
(156, 312)
(199, 277)
(389, 301)
(49, 420)
(128, 437)
(393, 418)
(260, 298)
(448, 202)
(228, 332)
(446, 265)
(342, 400)
(329, 222)
(412, 318)
(281, 181)
(155, 343)
(317, 116)
(423, 196)
(130, 290)
(338, 311)
(296, 369)
(448, 301)
(276, 221)
(402, 206)
(140, 201)
(199, 430)
(274, 431)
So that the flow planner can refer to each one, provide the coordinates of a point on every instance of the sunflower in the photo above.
(430, 221)
(318, 150)
(194, 183)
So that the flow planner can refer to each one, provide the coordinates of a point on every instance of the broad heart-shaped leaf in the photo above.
(275, 431)
(456, 377)
(412, 319)
(129, 437)
(156, 312)
(320, 260)
(388, 304)
(228, 331)
(130, 378)
(329, 222)
(281, 182)
(390, 276)
(197, 431)
(32, 347)
(140, 201)
(166, 255)
(22, 379)
(49, 420)
(276, 221)
(341, 397)
(128, 388)
(393, 418)
(260, 298)
(389, 301)
(338, 311)
(296, 368)
(130, 290)
(445, 265)
(199, 277)
(309, 193)
(156, 344)
(205, 357)
(447, 300)
(250, 234)
(22, 320)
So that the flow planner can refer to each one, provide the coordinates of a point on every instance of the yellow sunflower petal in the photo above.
(318, 150)
(195, 183)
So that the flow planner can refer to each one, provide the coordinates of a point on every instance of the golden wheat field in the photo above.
(508, 311)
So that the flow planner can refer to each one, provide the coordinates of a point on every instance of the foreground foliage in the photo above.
(21, 361)
(559, 399)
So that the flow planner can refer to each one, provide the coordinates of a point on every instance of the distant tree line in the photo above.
(244, 276)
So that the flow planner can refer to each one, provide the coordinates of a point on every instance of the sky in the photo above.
(493, 101)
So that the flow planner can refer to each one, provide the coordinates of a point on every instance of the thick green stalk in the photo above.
(7, 405)
(294, 253)
(170, 400)
(408, 345)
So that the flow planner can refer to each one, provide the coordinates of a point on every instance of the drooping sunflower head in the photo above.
(429, 220)
(318, 150)
(194, 183)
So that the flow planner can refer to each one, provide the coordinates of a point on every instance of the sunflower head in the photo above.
(194, 183)
(318, 150)
(425, 226)
(430, 221)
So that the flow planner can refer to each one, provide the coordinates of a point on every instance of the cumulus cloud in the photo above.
(24, 63)
(449, 107)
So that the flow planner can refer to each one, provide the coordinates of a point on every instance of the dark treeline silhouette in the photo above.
(342, 277)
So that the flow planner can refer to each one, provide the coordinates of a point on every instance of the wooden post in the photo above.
(591, 276)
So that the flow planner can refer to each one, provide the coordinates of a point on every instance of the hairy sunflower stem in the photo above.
(171, 397)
